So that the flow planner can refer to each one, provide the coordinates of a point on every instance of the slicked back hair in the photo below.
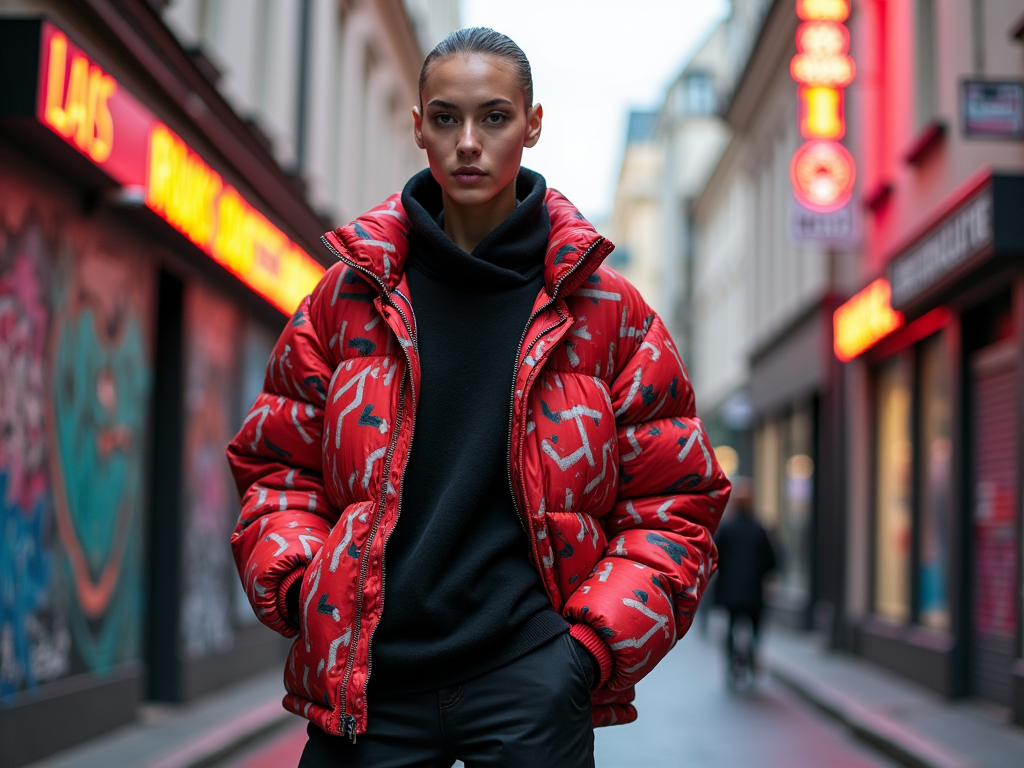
(483, 40)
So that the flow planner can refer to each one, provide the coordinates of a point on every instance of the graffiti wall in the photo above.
(75, 381)
(212, 337)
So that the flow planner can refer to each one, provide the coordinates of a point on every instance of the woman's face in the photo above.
(474, 124)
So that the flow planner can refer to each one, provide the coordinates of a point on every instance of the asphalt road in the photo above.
(688, 719)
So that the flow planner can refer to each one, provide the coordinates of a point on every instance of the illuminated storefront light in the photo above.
(864, 320)
(83, 105)
(822, 170)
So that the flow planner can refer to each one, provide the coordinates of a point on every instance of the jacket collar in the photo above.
(377, 244)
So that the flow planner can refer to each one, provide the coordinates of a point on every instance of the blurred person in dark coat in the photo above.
(745, 557)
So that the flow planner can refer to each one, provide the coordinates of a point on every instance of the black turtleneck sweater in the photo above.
(461, 597)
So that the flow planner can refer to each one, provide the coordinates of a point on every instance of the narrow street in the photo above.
(687, 718)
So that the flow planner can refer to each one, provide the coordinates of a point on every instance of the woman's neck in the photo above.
(466, 225)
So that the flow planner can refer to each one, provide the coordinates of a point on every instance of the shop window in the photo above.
(766, 474)
(798, 498)
(784, 496)
(935, 468)
(892, 491)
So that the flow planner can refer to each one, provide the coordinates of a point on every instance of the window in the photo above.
(925, 63)
(892, 491)
(935, 469)
(698, 94)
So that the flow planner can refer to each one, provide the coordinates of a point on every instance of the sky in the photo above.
(593, 61)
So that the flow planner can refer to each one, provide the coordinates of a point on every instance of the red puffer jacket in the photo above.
(612, 473)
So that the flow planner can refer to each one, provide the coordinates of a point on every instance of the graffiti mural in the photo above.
(100, 393)
(74, 399)
(212, 328)
(34, 638)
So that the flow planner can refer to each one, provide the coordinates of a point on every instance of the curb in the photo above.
(229, 738)
(884, 734)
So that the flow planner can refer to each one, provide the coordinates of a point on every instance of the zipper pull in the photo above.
(348, 723)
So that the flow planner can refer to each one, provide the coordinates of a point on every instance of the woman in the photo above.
(548, 531)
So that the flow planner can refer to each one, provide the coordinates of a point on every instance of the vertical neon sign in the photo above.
(822, 170)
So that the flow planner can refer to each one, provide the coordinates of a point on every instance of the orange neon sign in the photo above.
(822, 170)
(77, 100)
(864, 320)
(193, 198)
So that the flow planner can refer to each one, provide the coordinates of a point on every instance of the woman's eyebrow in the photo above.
(495, 102)
(442, 104)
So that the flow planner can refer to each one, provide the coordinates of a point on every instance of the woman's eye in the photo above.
(495, 118)
(444, 119)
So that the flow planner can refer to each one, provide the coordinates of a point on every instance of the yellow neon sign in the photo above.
(821, 112)
(864, 320)
(183, 190)
(823, 10)
(77, 102)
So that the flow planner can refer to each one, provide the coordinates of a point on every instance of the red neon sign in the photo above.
(864, 320)
(83, 105)
(823, 173)
(822, 170)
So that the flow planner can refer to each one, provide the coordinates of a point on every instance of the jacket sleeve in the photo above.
(641, 597)
(276, 460)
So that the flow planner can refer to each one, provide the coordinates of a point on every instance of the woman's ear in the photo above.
(417, 127)
(534, 118)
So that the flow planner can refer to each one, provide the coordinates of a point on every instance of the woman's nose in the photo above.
(469, 143)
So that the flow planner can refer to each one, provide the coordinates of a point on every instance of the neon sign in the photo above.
(864, 320)
(822, 170)
(83, 105)
(77, 104)
(193, 198)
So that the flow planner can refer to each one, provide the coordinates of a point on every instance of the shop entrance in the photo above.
(993, 391)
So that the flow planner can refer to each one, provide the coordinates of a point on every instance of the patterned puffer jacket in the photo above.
(612, 474)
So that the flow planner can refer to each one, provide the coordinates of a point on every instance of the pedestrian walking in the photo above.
(745, 557)
(475, 488)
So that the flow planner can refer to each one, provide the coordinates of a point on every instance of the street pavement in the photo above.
(688, 719)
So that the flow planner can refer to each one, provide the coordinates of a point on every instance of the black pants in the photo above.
(753, 615)
(532, 712)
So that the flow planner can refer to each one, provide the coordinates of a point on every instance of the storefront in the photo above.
(942, 340)
(141, 291)
(793, 386)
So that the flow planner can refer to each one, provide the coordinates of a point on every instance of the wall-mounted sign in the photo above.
(864, 320)
(838, 229)
(955, 241)
(85, 106)
(991, 109)
(822, 170)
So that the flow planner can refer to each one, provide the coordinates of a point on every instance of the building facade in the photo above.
(634, 222)
(933, 396)
(159, 222)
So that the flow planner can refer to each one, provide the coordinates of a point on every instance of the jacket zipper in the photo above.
(398, 508)
(347, 721)
(515, 378)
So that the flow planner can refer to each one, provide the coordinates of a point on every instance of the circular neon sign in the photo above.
(822, 173)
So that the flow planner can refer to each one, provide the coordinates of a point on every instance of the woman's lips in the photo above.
(469, 175)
